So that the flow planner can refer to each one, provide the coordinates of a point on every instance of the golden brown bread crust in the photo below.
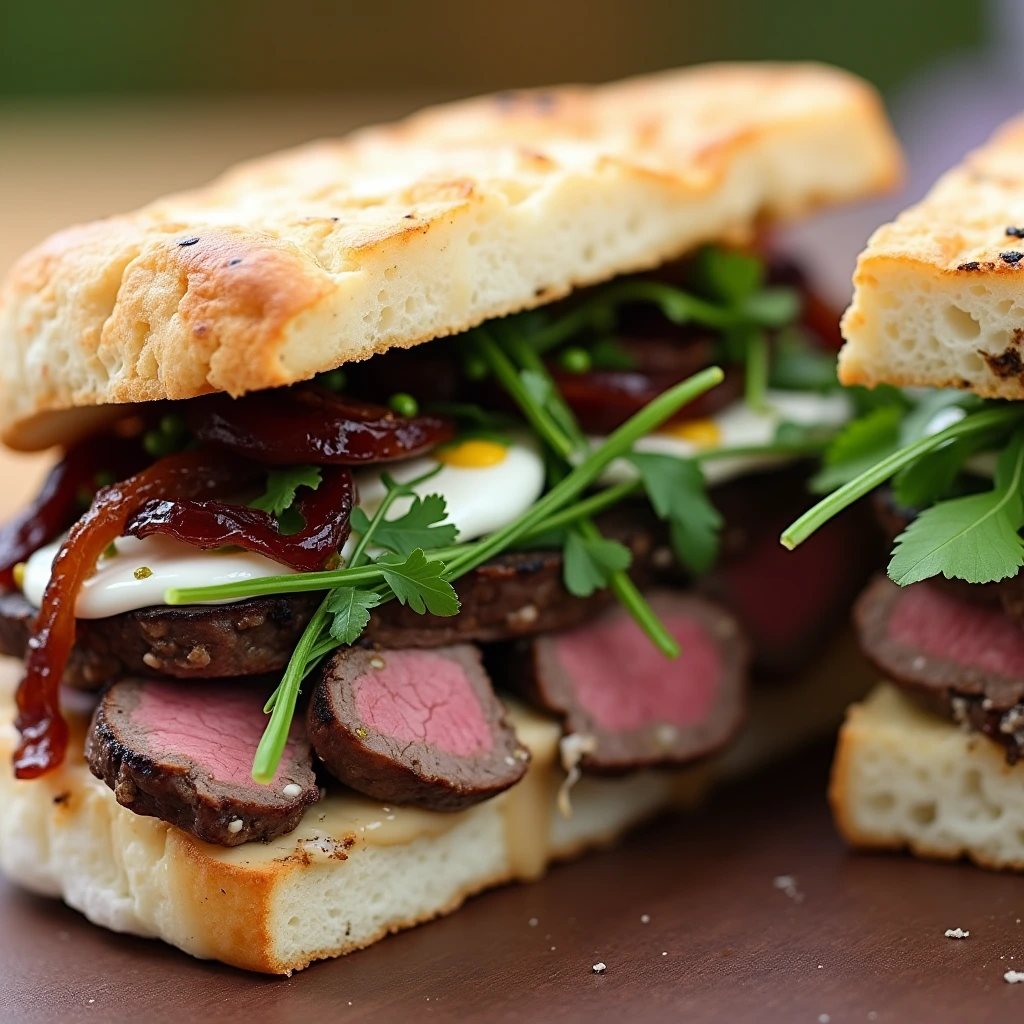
(905, 779)
(349, 874)
(938, 292)
(299, 262)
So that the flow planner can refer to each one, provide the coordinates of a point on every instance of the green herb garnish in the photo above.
(282, 485)
(973, 537)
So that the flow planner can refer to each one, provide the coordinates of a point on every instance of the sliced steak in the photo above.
(247, 638)
(515, 594)
(185, 755)
(959, 658)
(520, 593)
(414, 727)
(789, 602)
(630, 705)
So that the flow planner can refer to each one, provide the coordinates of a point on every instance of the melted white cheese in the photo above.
(739, 426)
(479, 501)
(118, 585)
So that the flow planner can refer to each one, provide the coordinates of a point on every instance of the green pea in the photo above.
(333, 380)
(158, 444)
(402, 404)
(575, 360)
(475, 367)
(173, 426)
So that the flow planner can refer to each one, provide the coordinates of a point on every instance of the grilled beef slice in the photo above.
(632, 706)
(788, 602)
(514, 594)
(414, 727)
(185, 755)
(246, 638)
(957, 657)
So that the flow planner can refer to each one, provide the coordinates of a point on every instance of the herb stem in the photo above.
(284, 698)
(756, 371)
(846, 495)
(540, 419)
(634, 602)
(616, 444)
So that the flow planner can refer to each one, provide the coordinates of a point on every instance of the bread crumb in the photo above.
(1013, 977)
(533, 922)
(956, 933)
(645, 918)
(599, 968)
(824, 1018)
(787, 884)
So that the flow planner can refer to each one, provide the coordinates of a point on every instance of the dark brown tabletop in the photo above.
(851, 938)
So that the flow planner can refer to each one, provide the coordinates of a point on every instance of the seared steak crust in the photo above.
(183, 755)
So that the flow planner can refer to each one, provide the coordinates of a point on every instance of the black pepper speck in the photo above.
(188, 241)
(235, 261)
(1013, 258)
(1013, 232)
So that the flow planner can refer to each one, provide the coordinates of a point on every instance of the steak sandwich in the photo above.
(414, 523)
(932, 759)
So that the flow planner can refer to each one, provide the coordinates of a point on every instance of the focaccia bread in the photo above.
(297, 263)
(907, 779)
(939, 297)
(355, 870)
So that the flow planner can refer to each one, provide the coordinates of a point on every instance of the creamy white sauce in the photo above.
(115, 588)
(479, 501)
(740, 426)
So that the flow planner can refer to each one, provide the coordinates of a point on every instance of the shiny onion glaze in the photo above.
(311, 424)
(604, 399)
(59, 502)
(212, 524)
(43, 731)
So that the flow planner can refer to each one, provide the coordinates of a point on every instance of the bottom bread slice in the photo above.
(355, 870)
(905, 778)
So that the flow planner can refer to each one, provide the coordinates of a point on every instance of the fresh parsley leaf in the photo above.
(726, 274)
(858, 446)
(350, 609)
(419, 583)
(934, 475)
(588, 564)
(282, 485)
(771, 307)
(677, 492)
(866, 400)
(422, 526)
(974, 538)
(798, 365)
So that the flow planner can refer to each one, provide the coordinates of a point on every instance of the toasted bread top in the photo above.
(299, 262)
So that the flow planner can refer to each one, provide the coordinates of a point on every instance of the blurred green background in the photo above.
(59, 48)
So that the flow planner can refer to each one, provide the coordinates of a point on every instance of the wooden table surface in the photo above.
(852, 939)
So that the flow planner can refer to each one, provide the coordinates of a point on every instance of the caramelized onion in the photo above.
(59, 502)
(310, 424)
(604, 399)
(187, 474)
(212, 524)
